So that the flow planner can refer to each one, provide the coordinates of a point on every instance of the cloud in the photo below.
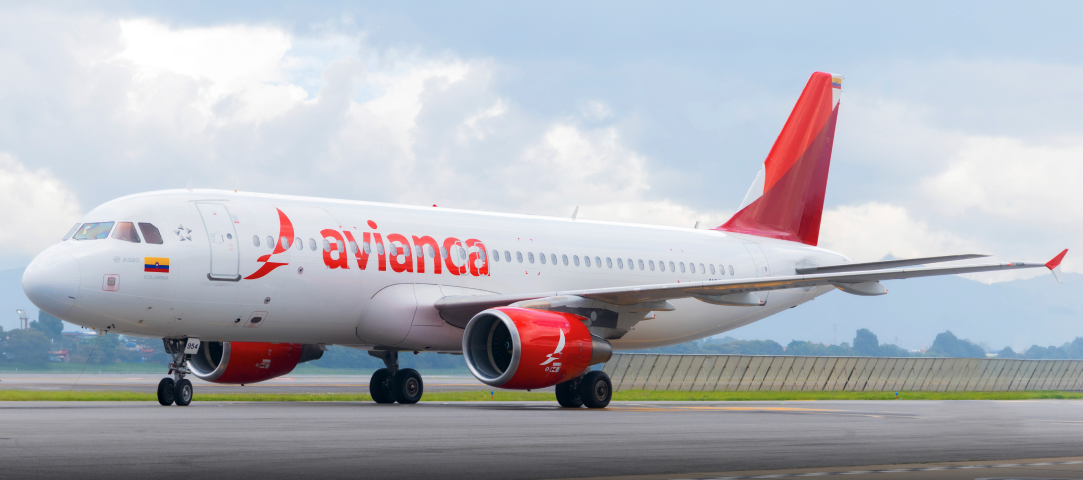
(37, 206)
(871, 231)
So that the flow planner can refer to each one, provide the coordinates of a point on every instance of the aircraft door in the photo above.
(225, 251)
(759, 261)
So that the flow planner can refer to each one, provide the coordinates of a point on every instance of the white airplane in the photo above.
(242, 287)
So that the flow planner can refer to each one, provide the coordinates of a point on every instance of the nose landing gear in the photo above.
(177, 389)
(391, 384)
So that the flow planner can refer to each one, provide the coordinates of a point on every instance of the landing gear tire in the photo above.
(595, 389)
(380, 386)
(567, 396)
(182, 392)
(406, 386)
(165, 392)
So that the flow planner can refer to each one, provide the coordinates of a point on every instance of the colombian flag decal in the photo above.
(156, 264)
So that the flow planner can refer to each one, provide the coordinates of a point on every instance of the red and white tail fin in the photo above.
(1054, 265)
(786, 200)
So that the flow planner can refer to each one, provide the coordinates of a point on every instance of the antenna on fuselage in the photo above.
(191, 183)
(575, 212)
(696, 225)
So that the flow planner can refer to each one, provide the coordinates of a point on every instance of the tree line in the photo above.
(32, 346)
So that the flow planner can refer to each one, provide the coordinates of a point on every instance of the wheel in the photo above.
(567, 396)
(182, 392)
(165, 392)
(406, 386)
(380, 386)
(595, 389)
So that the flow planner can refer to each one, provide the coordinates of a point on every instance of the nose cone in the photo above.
(51, 281)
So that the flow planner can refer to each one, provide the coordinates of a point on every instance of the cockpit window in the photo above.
(72, 231)
(150, 233)
(126, 231)
(94, 231)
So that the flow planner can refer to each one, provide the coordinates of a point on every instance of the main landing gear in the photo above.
(177, 389)
(391, 384)
(592, 389)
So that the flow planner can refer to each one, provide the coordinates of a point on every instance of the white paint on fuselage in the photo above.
(324, 305)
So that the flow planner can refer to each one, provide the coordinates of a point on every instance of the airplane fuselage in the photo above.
(269, 268)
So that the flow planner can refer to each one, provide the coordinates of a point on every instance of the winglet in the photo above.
(1054, 265)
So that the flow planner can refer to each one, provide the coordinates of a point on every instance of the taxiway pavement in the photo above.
(526, 440)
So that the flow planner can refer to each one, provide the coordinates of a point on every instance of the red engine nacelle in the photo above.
(522, 348)
(248, 362)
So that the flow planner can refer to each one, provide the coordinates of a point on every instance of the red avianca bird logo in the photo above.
(285, 230)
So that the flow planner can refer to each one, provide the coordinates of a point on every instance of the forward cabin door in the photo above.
(222, 236)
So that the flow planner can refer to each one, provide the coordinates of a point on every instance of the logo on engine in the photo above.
(552, 357)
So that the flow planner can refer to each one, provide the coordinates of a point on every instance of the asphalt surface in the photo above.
(288, 384)
(531, 439)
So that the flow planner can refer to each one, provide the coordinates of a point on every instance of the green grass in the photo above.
(517, 396)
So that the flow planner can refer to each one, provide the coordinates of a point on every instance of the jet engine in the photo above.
(522, 348)
(249, 362)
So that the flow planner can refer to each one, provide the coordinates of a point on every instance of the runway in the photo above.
(533, 440)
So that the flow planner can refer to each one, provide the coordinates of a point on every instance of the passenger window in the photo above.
(519, 256)
(530, 256)
(731, 270)
(575, 260)
(690, 265)
(620, 263)
(565, 259)
(462, 252)
(72, 232)
(284, 242)
(94, 231)
(443, 252)
(650, 263)
(126, 231)
(255, 240)
(496, 255)
(150, 233)
(481, 255)
(586, 260)
(507, 256)
(553, 257)
(682, 267)
(311, 244)
(297, 243)
(542, 258)
(662, 266)
(640, 264)
(326, 245)
(701, 269)
(672, 268)
(712, 269)
(270, 242)
(366, 247)
(598, 262)
(353, 247)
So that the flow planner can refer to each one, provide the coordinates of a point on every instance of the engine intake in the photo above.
(522, 348)
(249, 362)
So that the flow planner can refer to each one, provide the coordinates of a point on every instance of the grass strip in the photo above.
(516, 396)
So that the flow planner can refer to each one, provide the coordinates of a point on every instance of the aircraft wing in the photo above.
(740, 292)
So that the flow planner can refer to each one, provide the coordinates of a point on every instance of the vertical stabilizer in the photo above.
(786, 199)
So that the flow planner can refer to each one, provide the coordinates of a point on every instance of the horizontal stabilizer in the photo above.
(860, 267)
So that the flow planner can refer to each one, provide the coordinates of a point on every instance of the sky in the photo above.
(959, 129)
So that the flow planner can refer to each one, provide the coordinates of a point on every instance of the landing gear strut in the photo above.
(592, 389)
(391, 384)
(177, 389)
